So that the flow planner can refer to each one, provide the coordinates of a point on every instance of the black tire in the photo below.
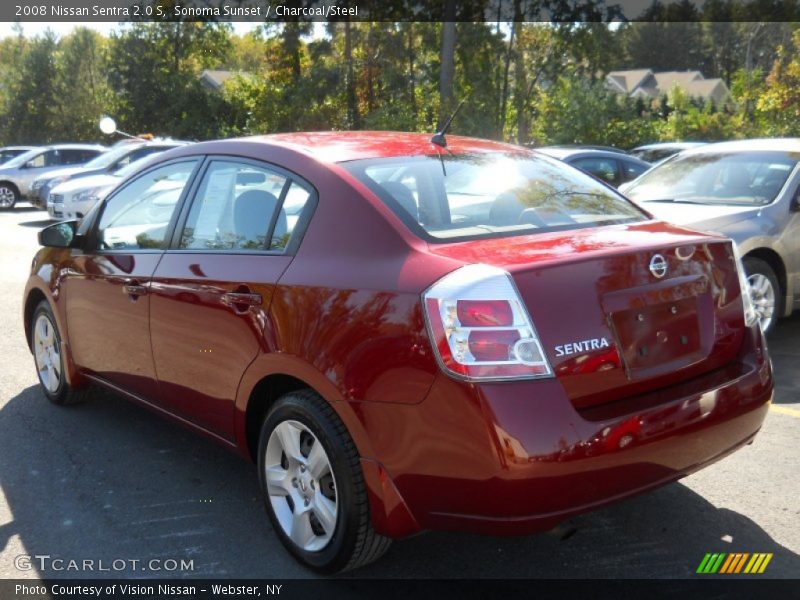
(354, 542)
(756, 266)
(8, 193)
(64, 394)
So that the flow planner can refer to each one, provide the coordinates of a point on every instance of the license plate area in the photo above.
(662, 328)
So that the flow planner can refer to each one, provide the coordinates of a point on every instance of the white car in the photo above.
(74, 198)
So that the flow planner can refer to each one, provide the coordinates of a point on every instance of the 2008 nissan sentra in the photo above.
(404, 335)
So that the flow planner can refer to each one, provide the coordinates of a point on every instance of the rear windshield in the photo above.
(455, 197)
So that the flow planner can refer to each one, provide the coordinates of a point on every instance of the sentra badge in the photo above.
(582, 346)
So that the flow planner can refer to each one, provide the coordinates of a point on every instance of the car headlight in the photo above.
(750, 315)
(92, 194)
(84, 195)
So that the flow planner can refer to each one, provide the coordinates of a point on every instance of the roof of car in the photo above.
(341, 146)
(17, 147)
(73, 147)
(574, 148)
(757, 145)
(564, 153)
(670, 146)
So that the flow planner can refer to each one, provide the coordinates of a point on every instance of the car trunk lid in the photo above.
(622, 310)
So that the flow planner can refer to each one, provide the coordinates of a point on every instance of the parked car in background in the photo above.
(747, 190)
(655, 153)
(17, 175)
(108, 162)
(615, 167)
(404, 338)
(9, 152)
(76, 197)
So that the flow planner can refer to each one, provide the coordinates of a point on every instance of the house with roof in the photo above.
(214, 79)
(647, 84)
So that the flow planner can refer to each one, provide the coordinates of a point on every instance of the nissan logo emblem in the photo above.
(658, 266)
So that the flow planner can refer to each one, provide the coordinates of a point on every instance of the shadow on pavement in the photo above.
(39, 224)
(784, 350)
(109, 480)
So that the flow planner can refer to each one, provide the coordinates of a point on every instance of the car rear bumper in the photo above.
(513, 458)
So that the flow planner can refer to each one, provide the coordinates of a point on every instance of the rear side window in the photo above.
(455, 197)
(243, 207)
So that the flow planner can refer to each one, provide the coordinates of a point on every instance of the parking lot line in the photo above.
(785, 410)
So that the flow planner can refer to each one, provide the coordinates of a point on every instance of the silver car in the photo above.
(9, 152)
(17, 174)
(74, 198)
(747, 190)
(108, 162)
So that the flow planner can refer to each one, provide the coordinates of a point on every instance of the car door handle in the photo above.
(241, 301)
(133, 288)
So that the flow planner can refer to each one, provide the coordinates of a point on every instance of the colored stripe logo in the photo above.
(736, 562)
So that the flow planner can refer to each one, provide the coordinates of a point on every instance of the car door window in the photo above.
(45, 159)
(603, 168)
(243, 207)
(138, 216)
(632, 170)
(75, 157)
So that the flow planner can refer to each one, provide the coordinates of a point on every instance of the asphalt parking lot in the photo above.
(110, 481)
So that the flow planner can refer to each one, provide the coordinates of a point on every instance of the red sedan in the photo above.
(402, 334)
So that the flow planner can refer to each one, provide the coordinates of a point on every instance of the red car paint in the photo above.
(344, 316)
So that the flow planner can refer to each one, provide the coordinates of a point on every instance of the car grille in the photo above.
(56, 198)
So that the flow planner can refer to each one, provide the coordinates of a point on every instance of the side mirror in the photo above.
(29, 165)
(60, 235)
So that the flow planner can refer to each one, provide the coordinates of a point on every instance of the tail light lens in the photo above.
(480, 328)
(750, 314)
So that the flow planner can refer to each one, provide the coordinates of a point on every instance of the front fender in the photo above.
(44, 283)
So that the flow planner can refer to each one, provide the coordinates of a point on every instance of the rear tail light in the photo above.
(750, 314)
(480, 328)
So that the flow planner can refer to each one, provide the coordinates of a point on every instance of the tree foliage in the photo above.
(528, 82)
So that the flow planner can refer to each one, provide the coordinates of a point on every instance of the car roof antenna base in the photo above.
(439, 137)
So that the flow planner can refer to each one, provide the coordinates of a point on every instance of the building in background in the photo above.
(649, 85)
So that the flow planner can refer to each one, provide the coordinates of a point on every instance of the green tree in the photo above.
(154, 70)
(33, 94)
(84, 94)
(778, 107)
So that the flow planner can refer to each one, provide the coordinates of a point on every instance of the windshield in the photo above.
(490, 195)
(134, 166)
(730, 178)
(6, 155)
(23, 158)
(106, 159)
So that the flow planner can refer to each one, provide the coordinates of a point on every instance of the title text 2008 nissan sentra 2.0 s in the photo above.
(405, 335)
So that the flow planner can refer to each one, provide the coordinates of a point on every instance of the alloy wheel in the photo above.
(47, 354)
(7, 197)
(301, 485)
(764, 299)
